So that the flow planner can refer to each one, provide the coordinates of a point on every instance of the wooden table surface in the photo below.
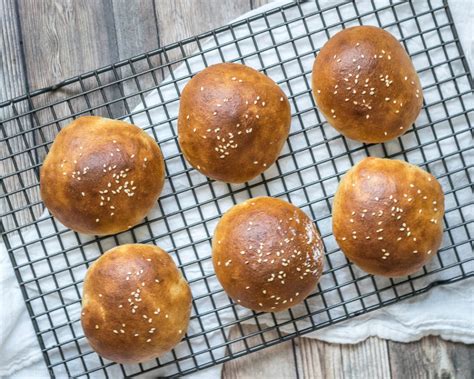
(45, 41)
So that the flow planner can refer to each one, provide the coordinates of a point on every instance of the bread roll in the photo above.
(387, 216)
(136, 304)
(267, 254)
(101, 176)
(233, 122)
(366, 86)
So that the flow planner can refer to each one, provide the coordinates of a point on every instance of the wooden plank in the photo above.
(12, 78)
(137, 33)
(431, 357)
(68, 37)
(181, 19)
(273, 362)
(317, 359)
(259, 3)
(136, 27)
(12, 84)
(368, 359)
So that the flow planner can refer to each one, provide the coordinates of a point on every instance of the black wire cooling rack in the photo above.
(50, 261)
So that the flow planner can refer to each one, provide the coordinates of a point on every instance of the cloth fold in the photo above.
(446, 311)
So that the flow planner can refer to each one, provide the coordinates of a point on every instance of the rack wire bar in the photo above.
(50, 261)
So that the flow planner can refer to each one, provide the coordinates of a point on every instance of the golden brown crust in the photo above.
(136, 304)
(233, 122)
(101, 176)
(366, 86)
(267, 254)
(387, 216)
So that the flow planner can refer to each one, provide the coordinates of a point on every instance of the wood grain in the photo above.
(13, 83)
(137, 32)
(189, 18)
(180, 19)
(273, 362)
(318, 359)
(136, 27)
(259, 3)
(70, 37)
(368, 359)
(431, 357)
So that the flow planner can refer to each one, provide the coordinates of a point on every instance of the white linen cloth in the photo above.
(445, 311)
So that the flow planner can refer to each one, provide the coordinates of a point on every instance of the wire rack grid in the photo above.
(50, 261)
